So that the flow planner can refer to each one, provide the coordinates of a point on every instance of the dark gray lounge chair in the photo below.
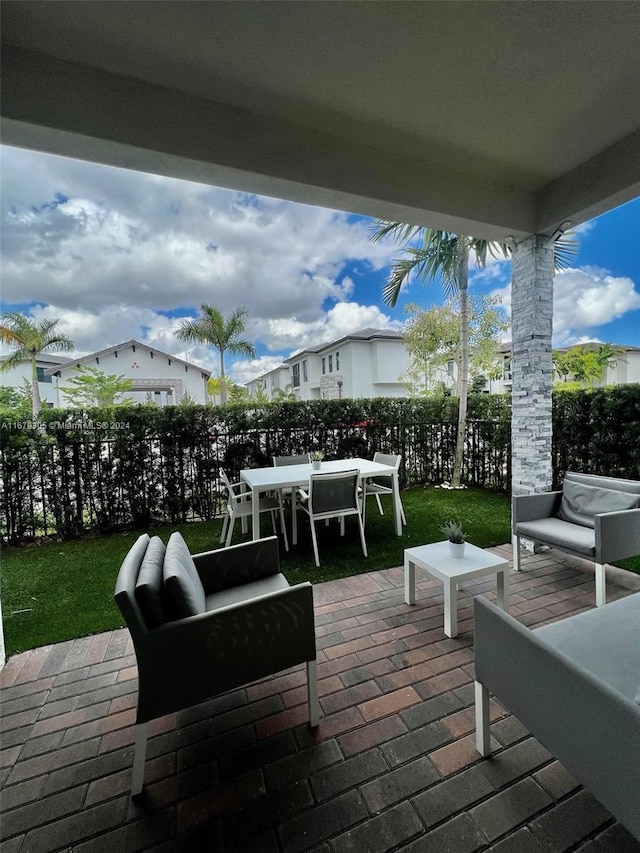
(206, 624)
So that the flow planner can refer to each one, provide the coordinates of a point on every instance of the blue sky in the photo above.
(117, 254)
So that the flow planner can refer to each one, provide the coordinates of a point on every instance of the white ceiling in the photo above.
(489, 117)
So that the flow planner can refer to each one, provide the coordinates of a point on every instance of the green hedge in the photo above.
(130, 468)
(135, 467)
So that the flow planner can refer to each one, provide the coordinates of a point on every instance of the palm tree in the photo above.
(211, 329)
(445, 256)
(31, 338)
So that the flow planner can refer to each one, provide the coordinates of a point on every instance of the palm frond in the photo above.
(398, 231)
(565, 250)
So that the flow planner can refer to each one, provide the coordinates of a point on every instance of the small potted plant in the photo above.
(455, 534)
(316, 458)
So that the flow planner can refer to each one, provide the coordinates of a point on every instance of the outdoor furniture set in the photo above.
(198, 621)
(339, 489)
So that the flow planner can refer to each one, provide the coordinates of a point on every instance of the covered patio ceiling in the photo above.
(491, 119)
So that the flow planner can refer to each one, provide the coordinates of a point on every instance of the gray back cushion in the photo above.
(617, 483)
(182, 583)
(149, 589)
(580, 502)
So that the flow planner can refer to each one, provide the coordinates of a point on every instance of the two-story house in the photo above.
(367, 363)
(269, 382)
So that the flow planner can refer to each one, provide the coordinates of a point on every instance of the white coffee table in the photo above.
(436, 560)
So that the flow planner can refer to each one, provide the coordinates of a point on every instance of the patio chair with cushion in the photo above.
(205, 624)
(376, 486)
(333, 496)
(239, 505)
(593, 517)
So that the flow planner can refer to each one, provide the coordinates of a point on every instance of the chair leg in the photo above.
(515, 540)
(312, 692)
(139, 756)
(225, 524)
(315, 541)
(362, 539)
(402, 515)
(482, 719)
(232, 524)
(601, 581)
(379, 502)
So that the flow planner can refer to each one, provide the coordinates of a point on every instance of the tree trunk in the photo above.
(35, 389)
(223, 381)
(463, 288)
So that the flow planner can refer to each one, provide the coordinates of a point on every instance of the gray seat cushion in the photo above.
(605, 641)
(581, 502)
(183, 587)
(563, 534)
(246, 591)
(149, 590)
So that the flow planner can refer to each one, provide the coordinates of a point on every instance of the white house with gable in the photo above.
(164, 377)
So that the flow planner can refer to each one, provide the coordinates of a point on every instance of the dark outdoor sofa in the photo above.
(593, 517)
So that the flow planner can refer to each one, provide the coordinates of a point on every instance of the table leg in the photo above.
(450, 608)
(255, 513)
(294, 515)
(503, 589)
(409, 582)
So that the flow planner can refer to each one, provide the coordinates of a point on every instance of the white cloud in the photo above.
(584, 299)
(82, 236)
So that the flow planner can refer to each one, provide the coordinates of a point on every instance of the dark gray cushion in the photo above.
(149, 589)
(182, 584)
(246, 592)
(580, 502)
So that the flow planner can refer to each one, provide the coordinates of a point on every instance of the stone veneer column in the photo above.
(532, 367)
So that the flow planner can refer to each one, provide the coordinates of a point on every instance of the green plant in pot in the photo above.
(455, 534)
(316, 458)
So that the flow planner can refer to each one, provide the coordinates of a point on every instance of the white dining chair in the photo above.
(382, 485)
(240, 505)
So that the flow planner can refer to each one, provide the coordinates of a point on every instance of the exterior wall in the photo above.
(168, 379)
(269, 382)
(626, 370)
(15, 379)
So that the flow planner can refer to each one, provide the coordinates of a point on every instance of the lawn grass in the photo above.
(59, 591)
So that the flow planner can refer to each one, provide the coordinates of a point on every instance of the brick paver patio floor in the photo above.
(391, 767)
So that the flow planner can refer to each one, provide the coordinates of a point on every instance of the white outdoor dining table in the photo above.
(290, 476)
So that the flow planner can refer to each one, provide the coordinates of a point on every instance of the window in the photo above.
(42, 376)
(305, 377)
(506, 367)
(295, 375)
(323, 366)
(450, 367)
(330, 364)
(115, 354)
(97, 361)
(150, 355)
(337, 361)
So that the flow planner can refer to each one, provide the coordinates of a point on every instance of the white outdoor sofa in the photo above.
(593, 517)
(575, 685)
